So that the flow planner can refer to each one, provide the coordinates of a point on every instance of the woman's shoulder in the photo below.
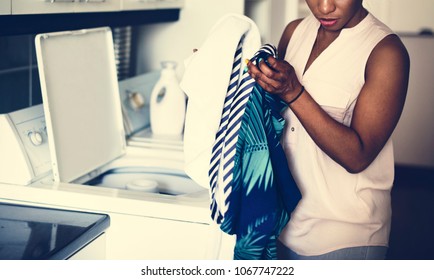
(390, 49)
(287, 34)
(290, 28)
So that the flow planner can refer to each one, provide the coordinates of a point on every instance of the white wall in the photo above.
(271, 16)
(175, 41)
(282, 12)
(404, 16)
(414, 135)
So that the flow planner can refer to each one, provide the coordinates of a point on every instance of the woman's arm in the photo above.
(375, 115)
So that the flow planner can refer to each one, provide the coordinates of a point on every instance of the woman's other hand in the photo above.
(276, 77)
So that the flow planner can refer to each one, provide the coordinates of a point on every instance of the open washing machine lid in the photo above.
(81, 101)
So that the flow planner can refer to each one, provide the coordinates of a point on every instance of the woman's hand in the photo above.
(278, 77)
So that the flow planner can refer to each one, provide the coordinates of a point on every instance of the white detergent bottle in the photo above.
(168, 103)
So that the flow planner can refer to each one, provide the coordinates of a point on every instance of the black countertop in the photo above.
(37, 233)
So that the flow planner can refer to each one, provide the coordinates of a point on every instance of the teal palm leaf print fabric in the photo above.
(267, 193)
(261, 193)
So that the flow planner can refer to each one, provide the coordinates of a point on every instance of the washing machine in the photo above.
(72, 153)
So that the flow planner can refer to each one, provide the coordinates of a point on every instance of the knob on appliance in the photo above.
(35, 137)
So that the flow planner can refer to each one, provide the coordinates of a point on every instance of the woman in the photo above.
(344, 76)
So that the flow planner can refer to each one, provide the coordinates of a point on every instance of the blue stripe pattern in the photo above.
(252, 190)
(219, 144)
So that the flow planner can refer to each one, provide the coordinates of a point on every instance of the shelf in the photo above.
(41, 23)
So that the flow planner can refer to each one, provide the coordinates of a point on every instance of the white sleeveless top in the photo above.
(338, 209)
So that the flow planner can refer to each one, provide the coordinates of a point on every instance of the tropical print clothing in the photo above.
(250, 166)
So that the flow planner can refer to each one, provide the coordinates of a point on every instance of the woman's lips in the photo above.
(328, 22)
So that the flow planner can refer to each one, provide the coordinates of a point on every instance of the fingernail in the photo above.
(247, 61)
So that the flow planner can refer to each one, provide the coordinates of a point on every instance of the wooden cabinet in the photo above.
(40, 16)
(42, 6)
(63, 6)
(97, 5)
(151, 4)
(80, 6)
(5, 7)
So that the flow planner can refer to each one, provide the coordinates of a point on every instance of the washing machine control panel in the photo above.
(32, 130)
(25, 145)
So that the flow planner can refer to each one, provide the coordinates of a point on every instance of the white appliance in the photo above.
(93, 168)
(25, 156)
(135, 94)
